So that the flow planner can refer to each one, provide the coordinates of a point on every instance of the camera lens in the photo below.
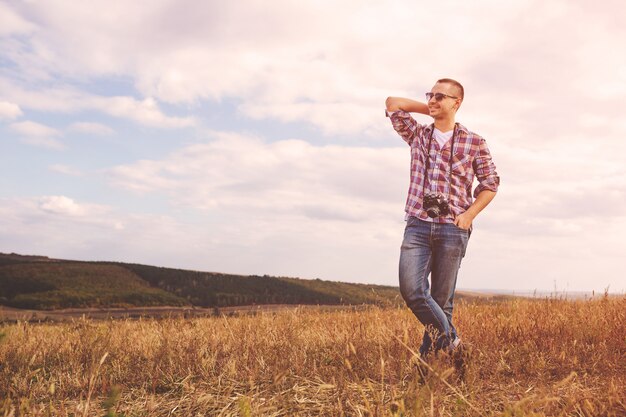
(433, 212)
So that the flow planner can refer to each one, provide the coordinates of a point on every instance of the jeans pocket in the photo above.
(461, 229)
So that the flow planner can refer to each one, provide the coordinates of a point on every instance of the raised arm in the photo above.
(406, 104)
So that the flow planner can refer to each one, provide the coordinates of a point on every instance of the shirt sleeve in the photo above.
(485, 170)
(404, 124)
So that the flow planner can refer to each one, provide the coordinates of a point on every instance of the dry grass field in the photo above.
(548, 357)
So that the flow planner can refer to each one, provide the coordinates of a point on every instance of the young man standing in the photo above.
(445, 157)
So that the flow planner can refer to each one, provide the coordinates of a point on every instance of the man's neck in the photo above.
(444, 125)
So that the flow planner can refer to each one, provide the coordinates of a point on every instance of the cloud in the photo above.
(64, 169)
(37, 134)
(43, 142)
(145, 111)
(52, 208)
(291, 177)
(57, 225)
(68, 99)
(90, 127)
(289, 62)
(9, 111)
(11, 23)
(61, 205)
(30, 128)
(298, 63)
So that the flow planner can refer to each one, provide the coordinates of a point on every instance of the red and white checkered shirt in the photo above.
(470, 156)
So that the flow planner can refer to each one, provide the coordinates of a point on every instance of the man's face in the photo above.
(447, 106)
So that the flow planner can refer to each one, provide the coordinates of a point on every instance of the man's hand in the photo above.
(464, 220)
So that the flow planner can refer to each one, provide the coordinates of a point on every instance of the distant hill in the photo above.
(14, 258)
(42, 283)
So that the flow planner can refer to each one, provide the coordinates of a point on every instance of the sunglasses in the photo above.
(438, 96)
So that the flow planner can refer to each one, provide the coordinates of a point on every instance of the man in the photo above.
(445, 157)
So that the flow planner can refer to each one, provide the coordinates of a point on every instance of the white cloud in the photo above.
(289, 177)
(59, 226)
(61, 205)
(12, 23)
(297, 62)
(69, 99)
(273, 59)
(37, 134)
(30, 128)
(146, 111)
(43, 142)
(64, 169)
(91, 127)
(53, 208)
(9, 110)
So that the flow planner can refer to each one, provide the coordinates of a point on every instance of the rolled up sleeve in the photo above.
(485, 170)
(404, 124)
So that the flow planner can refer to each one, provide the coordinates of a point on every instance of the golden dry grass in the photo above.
(529, 358)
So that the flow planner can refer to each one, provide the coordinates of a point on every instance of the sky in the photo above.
(249, 137)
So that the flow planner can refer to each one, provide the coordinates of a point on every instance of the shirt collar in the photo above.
(459, 127)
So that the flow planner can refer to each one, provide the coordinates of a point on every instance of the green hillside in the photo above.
(38, 282)
(213, 289)
(51, 285)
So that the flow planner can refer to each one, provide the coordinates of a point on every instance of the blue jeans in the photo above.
(435, 249)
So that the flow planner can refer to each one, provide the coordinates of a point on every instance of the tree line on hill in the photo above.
(42, 283)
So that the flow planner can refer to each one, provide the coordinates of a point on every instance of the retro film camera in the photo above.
(436, 205)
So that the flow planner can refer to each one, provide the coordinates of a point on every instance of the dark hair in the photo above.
(454, 83)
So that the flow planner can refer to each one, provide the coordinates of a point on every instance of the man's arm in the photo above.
(464, 220)
(489, 181)
(406, 104)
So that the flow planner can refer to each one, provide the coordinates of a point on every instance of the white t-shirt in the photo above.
(442, 137)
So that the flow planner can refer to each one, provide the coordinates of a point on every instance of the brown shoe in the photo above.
(421, 367)
(460, 357)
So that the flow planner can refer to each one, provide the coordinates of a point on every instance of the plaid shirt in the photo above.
(470, 156)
